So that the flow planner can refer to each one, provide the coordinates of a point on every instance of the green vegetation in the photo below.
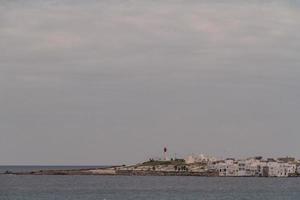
(153, 162)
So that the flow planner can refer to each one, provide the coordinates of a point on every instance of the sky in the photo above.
(94, 82)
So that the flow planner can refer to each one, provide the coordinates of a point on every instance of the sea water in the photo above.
(27, 187)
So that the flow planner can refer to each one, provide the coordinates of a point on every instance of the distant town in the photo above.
(253, 166)
(201, 164)
(192, 165)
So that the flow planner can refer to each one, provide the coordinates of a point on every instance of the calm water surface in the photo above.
(29, 168)
(135, 188)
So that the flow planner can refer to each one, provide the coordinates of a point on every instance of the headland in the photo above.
(191, 166)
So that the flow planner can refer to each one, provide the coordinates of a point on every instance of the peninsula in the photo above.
(199, 165)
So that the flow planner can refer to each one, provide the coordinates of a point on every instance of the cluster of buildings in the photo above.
(199, 159)
(255, 166)
(203, 165)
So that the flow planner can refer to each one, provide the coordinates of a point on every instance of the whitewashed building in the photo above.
(199, 159)
(273, 169)
(190, 159)
(255, 167)
(279, 169)
(288, 168)
(221, 167)
(229, 167)
(232, 167)
(242, 168)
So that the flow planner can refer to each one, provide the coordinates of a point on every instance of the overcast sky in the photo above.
(110, 82)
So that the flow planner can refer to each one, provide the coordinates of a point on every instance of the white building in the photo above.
(288, 169)
(254, 167)
(229, 167)
(279, 169)
(190, 159)
(199, 159)
(242, 168)
(232, 167)
(273, 169)
(221, 168)
(248, 167)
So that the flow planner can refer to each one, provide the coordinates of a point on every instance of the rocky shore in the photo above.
(149, 168)
(115, 172)
(179, 167)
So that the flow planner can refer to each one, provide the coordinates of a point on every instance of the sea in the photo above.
(28, 187)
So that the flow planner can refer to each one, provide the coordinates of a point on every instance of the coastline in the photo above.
(116, 171)
(111, 172)
(251, 167)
